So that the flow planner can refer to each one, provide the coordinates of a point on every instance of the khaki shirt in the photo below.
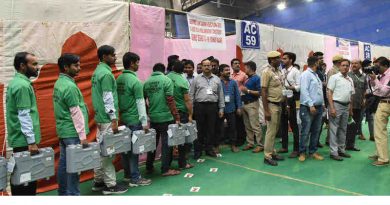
(272, 79)
(332, 71)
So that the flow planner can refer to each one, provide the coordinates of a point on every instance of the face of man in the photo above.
(32, 68)
(382, 69)
(206, 66)
(135, 66)
(226, 72)
(110, 59)
(248, 70)
(356, 65)
(236, 66)
(344, 67)
(321, 59)
(214, 67)
(73, 70)
(199, 69)
(275, 62)
(286, 61)
(189, 69)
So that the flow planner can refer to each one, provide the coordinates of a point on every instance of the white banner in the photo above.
(344, 48)
(206, 32)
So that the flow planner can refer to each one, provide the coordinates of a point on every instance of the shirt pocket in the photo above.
(275, 81)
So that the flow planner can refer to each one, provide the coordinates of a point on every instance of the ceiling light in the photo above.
(309, 0)
(281, 5)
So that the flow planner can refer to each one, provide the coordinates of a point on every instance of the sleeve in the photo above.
(305, 95)
(26, 125)
(138, 91)
(22, 98)
(108, 100)
(296, 79)
(168, 87)
(192, 90)
(185, 88)
(78, 121)
(141, 107)
(237, 95)
(258, 85)
(107, 83)
(221, 97)
(265, 78)
(332, 83)
(71, 97)
(382, 90)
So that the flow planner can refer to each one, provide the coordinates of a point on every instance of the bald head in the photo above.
(356, 65)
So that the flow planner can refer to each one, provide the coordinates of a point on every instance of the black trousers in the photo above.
(241, 133)
(353, 128)
(21, 190)
(205, 115)
(230, 132)
(285, 119)
(166, 151)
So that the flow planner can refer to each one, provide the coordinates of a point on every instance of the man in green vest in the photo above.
(22, 116)
(71, 117)
(133, 114)
(158, 89)
(183, 104)
(105, 104)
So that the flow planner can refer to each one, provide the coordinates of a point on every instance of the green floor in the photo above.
(244, 173)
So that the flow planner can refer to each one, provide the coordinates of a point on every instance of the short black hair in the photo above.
(67, 59)
(129, 58)
(189, 62)
(234, 59)
(159, 67)
(105, 50)
(344, 59)
(20, 57)
(297, 66)
(318, 53)
(222, 67)
(291, 56)
(312, 60)
(210, 58)
(171, 60)
(178, 67)
(252, 65)
(383, 61)
(214, 60)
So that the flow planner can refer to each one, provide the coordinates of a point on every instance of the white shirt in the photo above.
(291, 77)
(342, 87)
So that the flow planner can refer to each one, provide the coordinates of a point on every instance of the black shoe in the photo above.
(115, 190)
(270, 162)
(98, 186)
(337, 158)
(277, 157)
(320, 145)
(353, 149)
(345, 155)
(211, 154)
(197, 155)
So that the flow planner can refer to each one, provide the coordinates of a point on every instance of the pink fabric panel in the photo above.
(147, 36)
(182, 48)
(330, 50)
(354, 52)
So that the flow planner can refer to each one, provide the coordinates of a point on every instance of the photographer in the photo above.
(381, 89)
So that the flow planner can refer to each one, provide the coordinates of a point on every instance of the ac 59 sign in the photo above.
(250, 35)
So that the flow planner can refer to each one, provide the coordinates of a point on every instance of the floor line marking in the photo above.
(289, 178)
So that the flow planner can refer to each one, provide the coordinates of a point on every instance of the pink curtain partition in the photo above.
(182, 48)
(147, 36)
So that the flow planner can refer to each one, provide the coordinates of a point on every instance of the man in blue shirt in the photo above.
(312, 102)
(232, 105)
(252, 90)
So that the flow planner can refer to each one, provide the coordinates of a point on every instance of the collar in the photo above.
(157, 73)
(63, 75)
(130, 72)
(387, 72)
(290, 68)
(240, 72)
(311, 70)
(22, 76)
(105, 65)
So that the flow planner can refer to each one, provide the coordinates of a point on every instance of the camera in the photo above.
(371, 69)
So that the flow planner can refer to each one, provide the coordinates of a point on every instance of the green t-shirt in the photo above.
(180, 89)
(66, 94)
(103, 81)
(129, 90)
(20, 96)
(156, 88)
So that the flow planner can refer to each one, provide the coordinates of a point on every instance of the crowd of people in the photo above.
(231, 104)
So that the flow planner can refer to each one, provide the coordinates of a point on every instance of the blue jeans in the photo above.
(311, 126)
(130, 160)
(68, 183)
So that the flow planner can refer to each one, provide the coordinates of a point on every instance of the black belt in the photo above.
(248, 101)
(341, 103)
(275, 103)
